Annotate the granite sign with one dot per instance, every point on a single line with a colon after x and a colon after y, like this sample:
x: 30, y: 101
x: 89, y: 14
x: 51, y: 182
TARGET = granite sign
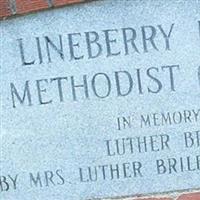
x: 101, y: 100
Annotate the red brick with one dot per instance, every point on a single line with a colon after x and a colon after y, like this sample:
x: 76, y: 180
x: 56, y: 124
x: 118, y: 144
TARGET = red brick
x: 5, y: 8
x: 65, y: 2
x: 25, y: 6
x: 193, y: 196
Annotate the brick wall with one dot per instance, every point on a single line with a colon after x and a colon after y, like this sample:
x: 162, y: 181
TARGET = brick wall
x: 172, y: 196
x: 16, y: 7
